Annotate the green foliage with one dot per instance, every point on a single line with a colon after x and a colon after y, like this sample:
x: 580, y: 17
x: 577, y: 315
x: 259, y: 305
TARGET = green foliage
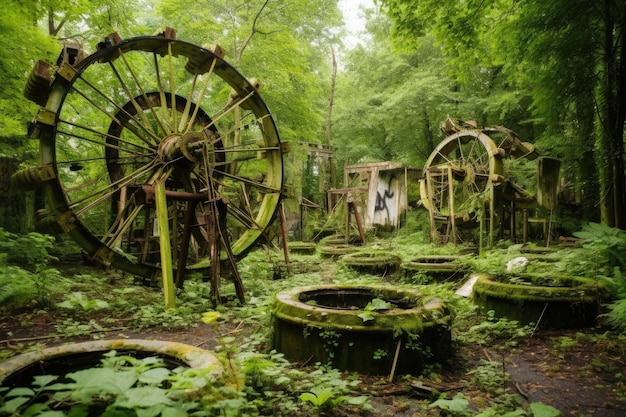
x: 23, y: 268
x: 506, y: 332
x: 152, y: 315
x: 490, y: 376
x: 72, y: 328
x: 609, y: 243
x: 457, y: 406
x: 28, y: 251
x: 79, y: 301
x: 376, y: 304
x: 120, y: 386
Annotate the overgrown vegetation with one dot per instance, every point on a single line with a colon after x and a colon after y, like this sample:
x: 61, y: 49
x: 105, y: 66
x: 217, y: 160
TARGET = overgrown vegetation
x: 88, y: 303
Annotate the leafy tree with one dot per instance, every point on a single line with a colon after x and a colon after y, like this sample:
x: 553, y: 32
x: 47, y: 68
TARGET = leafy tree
x: 32, y: 31
x: 389, y: 106
x: 287, y: 45
x: 570, y: 54
x: 21, y: 43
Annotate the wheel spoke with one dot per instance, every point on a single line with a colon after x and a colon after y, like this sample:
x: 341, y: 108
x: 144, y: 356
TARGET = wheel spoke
x: 103, y: 135
x: 113, y: 237
x: 172, y: 87
x: 191, y: 121
x: 135, y: 129
x: 163, y: 99
x: 107, y: 191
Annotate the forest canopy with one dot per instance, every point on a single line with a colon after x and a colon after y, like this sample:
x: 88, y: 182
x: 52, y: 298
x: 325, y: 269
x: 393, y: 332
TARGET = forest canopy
x: 552, y: 71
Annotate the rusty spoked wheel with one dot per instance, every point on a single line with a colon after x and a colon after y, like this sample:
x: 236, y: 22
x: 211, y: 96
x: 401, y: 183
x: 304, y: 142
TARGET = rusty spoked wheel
x: 464, y: 173
x: 154, y: 111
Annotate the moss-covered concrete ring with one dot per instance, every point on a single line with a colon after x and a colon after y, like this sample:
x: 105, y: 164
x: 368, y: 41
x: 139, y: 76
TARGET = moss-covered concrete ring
x: 438, y: 267
x: 305, y: 248
x: 552, y: 301
x: 332, y: 324
x: 335, y: 251
x: 375, y: 263
x: 88, y: 354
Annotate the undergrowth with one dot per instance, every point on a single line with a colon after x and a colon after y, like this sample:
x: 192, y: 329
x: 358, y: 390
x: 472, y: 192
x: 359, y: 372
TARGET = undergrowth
x: 257, y: 380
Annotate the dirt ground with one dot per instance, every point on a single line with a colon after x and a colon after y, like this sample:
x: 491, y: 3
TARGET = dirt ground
x: 579, y: 372
x: 579, y: 379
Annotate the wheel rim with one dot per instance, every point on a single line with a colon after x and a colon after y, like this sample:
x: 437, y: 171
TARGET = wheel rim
x: 475, y: 164
x: 156, y: 109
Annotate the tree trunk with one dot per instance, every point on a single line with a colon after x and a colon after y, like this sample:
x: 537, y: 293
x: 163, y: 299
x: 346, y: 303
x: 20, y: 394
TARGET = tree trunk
x: 586, y: 171
x: 614, y: 90
x: 329, y: 119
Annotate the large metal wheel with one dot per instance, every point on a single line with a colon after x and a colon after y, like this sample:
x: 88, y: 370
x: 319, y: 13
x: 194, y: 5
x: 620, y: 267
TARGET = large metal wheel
x: 460, y: 176
x: 148, y: 111
x: 465, y: 175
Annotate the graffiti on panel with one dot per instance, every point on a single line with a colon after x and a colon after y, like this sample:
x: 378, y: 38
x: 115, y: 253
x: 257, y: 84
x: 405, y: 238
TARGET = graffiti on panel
x: 386, y: 205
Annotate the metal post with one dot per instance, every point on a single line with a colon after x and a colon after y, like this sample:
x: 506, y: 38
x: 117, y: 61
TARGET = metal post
x: 165, y: 246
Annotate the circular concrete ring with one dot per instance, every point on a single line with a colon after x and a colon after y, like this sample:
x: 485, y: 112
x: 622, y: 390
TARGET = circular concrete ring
x: 438, y: 267
x: 303, y: 248
x: 552, y: 301
x: 375, y: 263
x: 326, y: 324
x: 89, y: 354
x: 335, y: 251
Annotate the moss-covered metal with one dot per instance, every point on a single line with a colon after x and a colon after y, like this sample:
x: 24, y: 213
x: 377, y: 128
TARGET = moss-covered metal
x: 332, y: 324
x: 552, y: 301
x: 154, y: 131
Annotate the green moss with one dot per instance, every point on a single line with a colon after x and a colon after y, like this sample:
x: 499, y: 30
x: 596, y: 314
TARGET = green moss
x: 302, y: 247
x: 331, y: 329
x: 410, y: 319
x: 338, y: 250
x: 536, y: 287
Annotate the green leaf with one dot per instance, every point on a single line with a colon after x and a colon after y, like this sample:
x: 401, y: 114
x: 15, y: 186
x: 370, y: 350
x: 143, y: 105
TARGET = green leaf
x: 152, y: 411
x: 543, y: 410
x: 457, y: 404
x: 51, y: 413
x: 101, y: 381
x: 20, y: 392
x: 173, y: 412
x: 34, y: 410
x: 79, y: 410
x: 360, y: 400
x: 154, y: 376
x: 13, y: 405
x: 282, y: 380
x: 142, y: 397
x: 366, y: 317
x: 308, y: 396
x: 378, y: 304
x: 43, y: 380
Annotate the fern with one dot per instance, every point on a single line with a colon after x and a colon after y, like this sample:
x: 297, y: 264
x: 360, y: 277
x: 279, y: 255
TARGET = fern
x: 616, y: 317
x: 7, y: 291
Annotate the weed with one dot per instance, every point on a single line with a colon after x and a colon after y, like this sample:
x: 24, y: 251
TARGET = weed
x: 493, y: 329
x: 490, y: 376
x: 79, y: 301
x: 120, y: 385
x: 72, y: 328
